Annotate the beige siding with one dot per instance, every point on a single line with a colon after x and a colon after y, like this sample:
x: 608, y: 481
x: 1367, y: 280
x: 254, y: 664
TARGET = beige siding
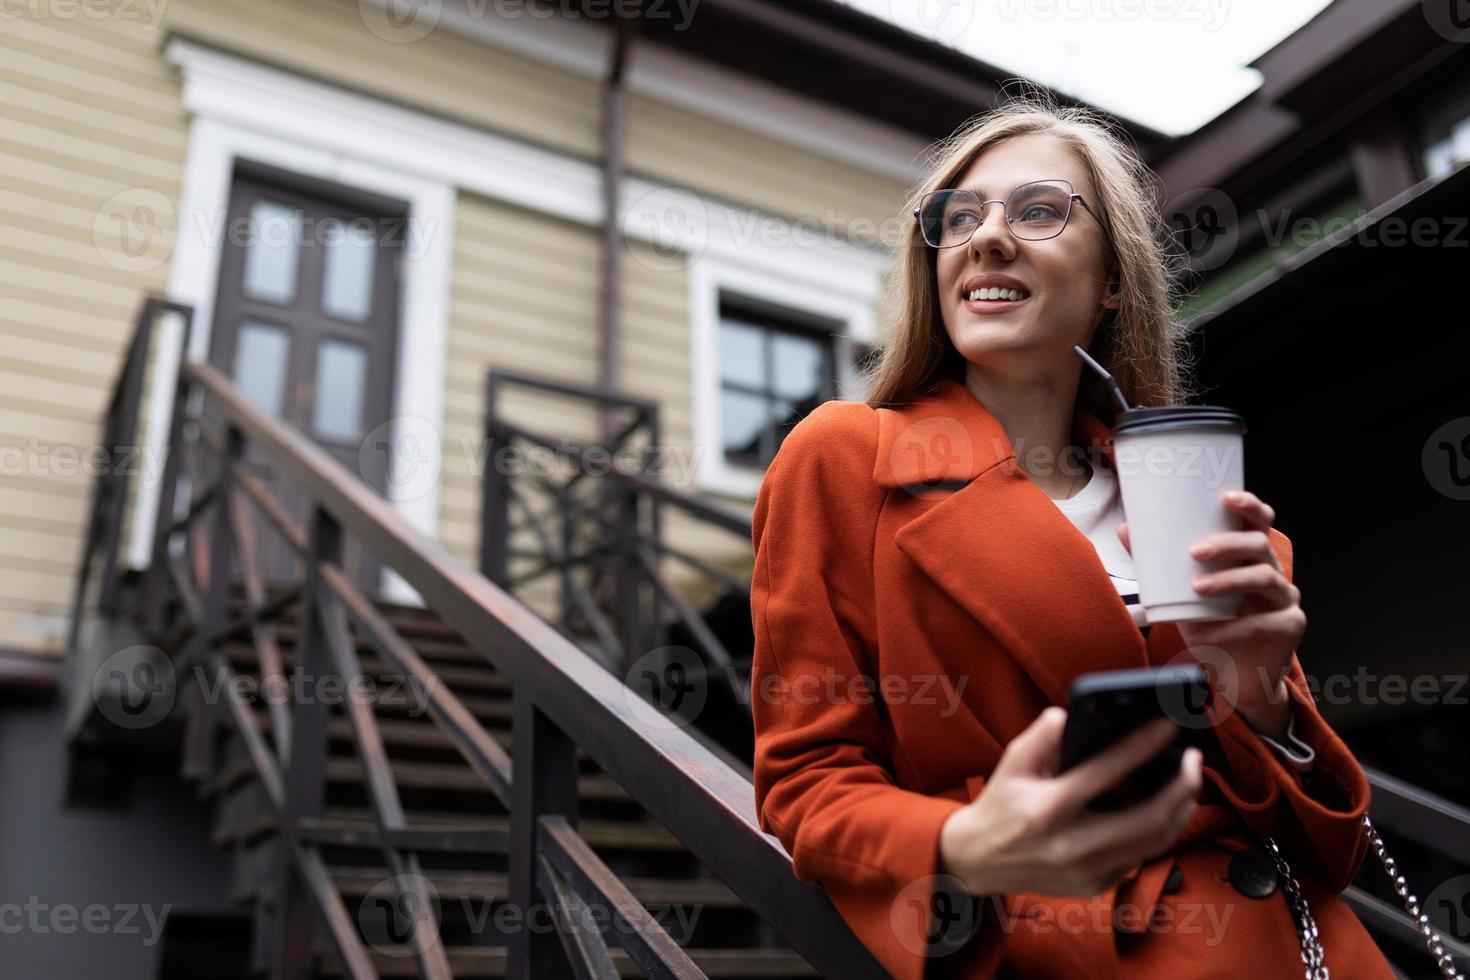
x: 728, y: 165
x: 88, y: 111
x: 445, y: 72
x: 91, y: 114
x: 524, y: 298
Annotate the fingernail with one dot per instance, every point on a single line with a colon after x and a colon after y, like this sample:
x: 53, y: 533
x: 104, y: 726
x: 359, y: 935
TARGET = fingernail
x: 1234, y: 496
x: 1201, y: 584
x: 1202, y: 550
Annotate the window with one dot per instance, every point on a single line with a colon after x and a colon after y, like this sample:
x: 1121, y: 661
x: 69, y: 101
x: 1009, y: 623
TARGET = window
x: 773, y: 371
x: 766, y: 350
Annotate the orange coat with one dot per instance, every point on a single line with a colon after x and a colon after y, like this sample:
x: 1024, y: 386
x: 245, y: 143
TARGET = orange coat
x: 973, y: 604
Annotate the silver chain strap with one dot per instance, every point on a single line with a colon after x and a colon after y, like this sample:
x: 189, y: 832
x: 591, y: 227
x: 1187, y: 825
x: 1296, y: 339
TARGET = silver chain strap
x: 1313, y: 956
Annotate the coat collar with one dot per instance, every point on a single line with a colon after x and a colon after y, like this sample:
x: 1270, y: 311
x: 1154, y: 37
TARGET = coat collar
x: 997, y: 545
x: 951, y: 436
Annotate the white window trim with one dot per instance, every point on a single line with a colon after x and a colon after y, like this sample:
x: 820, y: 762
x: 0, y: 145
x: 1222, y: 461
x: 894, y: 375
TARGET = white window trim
x: 243, y: 109
x: 710, y: 279
x: 217, y: 142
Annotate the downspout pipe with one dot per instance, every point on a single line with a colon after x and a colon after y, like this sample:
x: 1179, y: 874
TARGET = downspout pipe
x: 614, y: 111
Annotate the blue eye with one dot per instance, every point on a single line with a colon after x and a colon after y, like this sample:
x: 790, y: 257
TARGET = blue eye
x: 1040, y: 212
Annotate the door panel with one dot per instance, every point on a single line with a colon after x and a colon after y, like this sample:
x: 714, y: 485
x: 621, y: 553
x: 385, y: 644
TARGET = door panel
x: 306, y: 324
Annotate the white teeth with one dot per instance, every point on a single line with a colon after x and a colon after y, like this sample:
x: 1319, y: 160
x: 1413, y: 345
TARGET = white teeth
x: 995, y: 292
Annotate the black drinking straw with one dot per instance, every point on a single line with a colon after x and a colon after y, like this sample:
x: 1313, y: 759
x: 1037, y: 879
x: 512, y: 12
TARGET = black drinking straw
x: 1112, y: 382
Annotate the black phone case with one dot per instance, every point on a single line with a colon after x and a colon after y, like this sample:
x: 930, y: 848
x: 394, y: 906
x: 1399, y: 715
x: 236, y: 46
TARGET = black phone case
x: 1105, y: 706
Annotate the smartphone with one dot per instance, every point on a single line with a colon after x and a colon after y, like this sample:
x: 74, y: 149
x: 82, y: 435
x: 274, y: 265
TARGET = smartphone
x: 1106, y: 705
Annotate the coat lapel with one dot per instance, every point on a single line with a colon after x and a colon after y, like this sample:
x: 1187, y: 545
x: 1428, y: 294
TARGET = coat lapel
x: 996, y: 544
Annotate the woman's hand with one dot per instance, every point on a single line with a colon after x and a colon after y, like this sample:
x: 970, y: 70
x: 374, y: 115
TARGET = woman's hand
x: 1269, y: 628
x: 1029, y: 829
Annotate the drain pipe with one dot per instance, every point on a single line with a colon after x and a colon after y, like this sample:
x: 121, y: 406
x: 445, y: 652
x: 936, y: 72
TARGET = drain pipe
x: 614, y: 98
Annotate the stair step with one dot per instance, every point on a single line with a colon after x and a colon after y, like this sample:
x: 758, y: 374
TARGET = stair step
x: 420, y: 775
x: 602, y: 834
x: 357, y: 882
x: 465, y: 677
x: 491, y: 961
x: 410, y: 621
x: 432, y: 649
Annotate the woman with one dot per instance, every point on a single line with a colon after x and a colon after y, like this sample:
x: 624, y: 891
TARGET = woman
x: 935, y: 565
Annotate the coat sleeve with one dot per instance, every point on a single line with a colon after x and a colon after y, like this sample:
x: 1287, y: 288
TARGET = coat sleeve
x: 1316, y: 816
x: 824, y: 781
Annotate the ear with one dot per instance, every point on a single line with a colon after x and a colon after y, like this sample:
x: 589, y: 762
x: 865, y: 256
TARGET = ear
x: 1114, y: 298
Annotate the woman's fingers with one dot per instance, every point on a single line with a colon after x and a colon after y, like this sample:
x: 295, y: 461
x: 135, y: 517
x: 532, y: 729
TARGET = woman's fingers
x: 1261, y: 580
x: 1241, y: 546
x: 1035, y: 751
x: 1134, y: 834
x: 1257, y: 514
x: 1080, y: 784
x: 1287, y: 621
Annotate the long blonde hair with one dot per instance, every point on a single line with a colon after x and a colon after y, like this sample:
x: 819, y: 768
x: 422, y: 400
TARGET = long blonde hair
x: 1137, y: 344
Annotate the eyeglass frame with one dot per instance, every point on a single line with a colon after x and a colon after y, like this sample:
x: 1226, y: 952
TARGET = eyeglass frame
x: 1006, y: 212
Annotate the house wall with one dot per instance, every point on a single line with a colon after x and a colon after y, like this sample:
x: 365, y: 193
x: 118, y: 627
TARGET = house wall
x: 92, y: 127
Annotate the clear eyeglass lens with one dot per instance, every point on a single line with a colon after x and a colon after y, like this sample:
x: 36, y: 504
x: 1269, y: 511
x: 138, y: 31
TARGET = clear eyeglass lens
x: 1036, y: 211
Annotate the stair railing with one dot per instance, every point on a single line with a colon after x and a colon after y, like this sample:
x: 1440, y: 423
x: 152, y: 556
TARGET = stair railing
x: 604, y: 524
x: 564, y: 700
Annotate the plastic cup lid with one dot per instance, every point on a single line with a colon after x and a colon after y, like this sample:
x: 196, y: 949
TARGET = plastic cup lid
x: 1177, y: 416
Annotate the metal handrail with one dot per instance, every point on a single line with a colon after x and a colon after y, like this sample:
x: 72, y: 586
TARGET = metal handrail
x: 708, y: 805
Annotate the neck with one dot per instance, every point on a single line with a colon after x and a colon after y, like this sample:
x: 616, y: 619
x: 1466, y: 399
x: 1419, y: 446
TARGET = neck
x: 1035, y: 410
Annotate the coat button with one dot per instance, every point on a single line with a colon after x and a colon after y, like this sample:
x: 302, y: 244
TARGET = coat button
x: 1175, y: 881
x: 1253, y: 873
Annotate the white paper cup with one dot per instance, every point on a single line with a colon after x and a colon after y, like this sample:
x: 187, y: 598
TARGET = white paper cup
x: 1174, y: 466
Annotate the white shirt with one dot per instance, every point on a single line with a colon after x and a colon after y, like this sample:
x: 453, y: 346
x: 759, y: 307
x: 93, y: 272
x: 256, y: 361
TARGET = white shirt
x: 1096, y: 510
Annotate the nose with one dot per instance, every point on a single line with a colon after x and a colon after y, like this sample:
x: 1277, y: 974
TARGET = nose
x: 992, y: 236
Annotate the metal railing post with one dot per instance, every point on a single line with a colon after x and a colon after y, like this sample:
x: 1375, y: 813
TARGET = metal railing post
x: 544, y: 782
x: 296, y: 916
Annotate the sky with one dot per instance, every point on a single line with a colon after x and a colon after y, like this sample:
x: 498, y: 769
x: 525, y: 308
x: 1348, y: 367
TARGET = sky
x: 1170, y: 64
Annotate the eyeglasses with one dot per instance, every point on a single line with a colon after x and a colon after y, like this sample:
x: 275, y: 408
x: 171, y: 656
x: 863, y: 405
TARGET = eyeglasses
x: 1034, y: 212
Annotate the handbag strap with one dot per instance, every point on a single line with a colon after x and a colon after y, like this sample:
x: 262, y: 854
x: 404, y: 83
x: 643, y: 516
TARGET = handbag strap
x: 1312, y: 954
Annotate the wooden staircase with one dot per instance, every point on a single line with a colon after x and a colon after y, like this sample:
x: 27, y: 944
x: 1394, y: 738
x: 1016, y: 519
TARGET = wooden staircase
x: 463, y: 789
x: 455, y: 822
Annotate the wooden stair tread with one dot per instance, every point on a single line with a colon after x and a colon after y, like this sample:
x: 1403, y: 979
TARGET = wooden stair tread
x: 630, y: 834
x: 356, y: 882
x: 478, y: 677
x: 454, y: 777
x: 491, y: 961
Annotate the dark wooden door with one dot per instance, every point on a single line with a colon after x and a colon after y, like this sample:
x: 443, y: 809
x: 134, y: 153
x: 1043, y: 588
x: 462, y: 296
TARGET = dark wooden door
x: 306, y: 324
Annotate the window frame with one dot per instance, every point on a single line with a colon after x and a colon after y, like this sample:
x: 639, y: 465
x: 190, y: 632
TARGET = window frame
x: 810, y: 295
x: 771, y: 322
